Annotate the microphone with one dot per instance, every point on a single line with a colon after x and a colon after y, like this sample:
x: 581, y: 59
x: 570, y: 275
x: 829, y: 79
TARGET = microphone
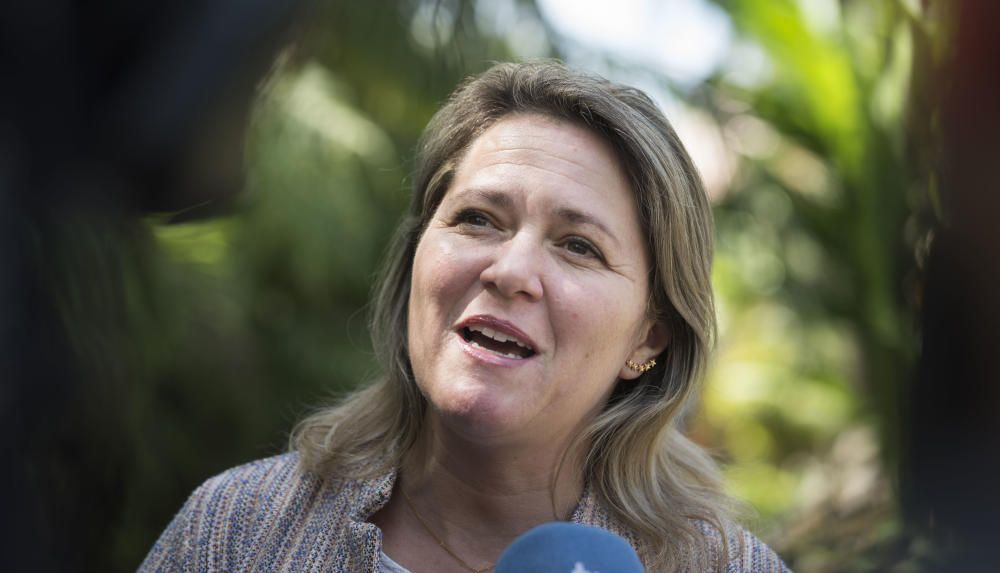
x: 562, y: 547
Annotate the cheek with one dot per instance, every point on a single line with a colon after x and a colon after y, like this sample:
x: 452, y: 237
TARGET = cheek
x: 587, y: 308
x: 444, y: 276
x: 419, y: 310
x: 439, y: 273
x: 600, y: 318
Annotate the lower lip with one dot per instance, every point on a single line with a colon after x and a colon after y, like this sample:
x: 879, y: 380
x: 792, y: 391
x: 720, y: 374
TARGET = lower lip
x: 489, y: 357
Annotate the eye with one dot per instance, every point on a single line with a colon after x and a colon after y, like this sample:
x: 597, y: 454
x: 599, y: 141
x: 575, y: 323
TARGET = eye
x: 581, y: 247
x: 473, y: 218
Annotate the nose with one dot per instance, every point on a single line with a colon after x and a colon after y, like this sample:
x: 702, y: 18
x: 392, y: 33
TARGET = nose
x: 515, y: 268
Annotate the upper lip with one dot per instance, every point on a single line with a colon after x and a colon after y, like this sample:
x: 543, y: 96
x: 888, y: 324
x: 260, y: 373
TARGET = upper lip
x: 499, y: 325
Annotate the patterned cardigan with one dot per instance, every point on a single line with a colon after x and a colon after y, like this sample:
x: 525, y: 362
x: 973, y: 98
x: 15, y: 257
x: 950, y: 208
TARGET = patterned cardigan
x: 271, y: 516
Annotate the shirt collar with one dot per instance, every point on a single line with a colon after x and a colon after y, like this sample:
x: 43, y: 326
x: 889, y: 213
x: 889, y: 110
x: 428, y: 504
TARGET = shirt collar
x: 368, y: 496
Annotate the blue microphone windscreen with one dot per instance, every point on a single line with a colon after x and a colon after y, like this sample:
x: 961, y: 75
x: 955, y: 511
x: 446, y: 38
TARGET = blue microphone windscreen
x: 569, y: 548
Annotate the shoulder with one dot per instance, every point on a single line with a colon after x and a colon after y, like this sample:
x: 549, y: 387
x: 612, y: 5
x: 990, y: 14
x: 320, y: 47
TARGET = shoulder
x: 274, y: 515
x: 258, y: 488
x: 258, y: 478
x: 734, y: 550
x: 228, y: 512
x: 740, y: 551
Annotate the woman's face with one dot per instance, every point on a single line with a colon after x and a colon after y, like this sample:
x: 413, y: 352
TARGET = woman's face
x: 530, y: 285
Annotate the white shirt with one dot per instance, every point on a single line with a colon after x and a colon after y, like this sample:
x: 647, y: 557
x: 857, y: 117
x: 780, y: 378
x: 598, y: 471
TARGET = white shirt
x: 387, y: 565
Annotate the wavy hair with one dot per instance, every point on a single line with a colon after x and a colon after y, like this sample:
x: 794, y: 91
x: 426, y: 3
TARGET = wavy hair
x: 638, y: 462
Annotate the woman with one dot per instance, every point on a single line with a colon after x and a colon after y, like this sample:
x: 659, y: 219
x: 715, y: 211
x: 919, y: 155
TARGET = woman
x: 543, y: 319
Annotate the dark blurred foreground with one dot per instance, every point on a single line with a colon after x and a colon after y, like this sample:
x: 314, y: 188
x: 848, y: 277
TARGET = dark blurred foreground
x: 122, y: 125
x: 109, y: 112
x: 952, y: 450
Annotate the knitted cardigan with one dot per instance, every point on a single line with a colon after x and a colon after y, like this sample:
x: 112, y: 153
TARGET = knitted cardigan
x: 270, y: 516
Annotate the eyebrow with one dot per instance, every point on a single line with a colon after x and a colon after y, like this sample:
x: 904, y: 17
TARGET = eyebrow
x: 568, y: 214
x: 493, y: 197
x: 580, y: 218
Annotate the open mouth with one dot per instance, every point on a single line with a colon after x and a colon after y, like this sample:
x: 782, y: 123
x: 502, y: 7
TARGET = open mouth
x: 497, y: 342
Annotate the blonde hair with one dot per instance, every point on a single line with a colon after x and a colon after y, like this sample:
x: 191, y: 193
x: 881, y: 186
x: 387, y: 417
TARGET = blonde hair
x: 640, y: 465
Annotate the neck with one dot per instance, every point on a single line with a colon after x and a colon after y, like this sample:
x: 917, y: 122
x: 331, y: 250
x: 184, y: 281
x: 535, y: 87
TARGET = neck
x: 497, y: 490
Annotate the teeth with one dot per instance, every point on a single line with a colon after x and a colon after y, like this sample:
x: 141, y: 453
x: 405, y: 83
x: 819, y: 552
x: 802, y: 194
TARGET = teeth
x: 507, y: 354
x: 498, y: 336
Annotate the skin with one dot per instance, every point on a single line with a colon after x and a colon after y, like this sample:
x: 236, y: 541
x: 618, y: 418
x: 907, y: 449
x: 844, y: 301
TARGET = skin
x: 539, y: 229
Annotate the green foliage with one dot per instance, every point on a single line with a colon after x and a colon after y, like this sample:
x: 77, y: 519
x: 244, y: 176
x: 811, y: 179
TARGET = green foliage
x: 817, y: 272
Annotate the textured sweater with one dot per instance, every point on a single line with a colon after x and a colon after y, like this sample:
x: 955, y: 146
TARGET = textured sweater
x: 270, y: 516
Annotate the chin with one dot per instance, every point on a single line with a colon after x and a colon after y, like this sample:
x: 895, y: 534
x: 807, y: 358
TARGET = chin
x: 480, y: 416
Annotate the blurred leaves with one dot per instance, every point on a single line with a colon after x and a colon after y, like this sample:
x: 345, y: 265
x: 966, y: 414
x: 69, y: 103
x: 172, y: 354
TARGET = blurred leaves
x: 818, y: 272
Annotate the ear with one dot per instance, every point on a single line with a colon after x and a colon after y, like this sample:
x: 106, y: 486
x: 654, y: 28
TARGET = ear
x: 655, y: 341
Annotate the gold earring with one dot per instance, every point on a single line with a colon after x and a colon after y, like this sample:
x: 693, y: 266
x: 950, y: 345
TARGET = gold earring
x: 640, y: 368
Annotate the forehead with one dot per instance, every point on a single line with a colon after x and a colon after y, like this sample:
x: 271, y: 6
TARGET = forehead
x: 527, y: 138
x: 532, y: 152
